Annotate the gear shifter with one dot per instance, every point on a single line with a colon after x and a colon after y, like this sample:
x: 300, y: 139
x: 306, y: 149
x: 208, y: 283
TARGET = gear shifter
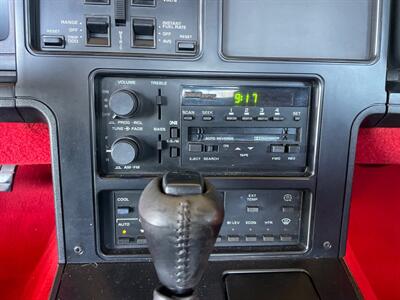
x: 181, y: 215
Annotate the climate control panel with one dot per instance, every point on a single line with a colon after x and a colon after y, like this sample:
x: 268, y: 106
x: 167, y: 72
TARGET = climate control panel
x: 149, y: 125
x: 261, y: 220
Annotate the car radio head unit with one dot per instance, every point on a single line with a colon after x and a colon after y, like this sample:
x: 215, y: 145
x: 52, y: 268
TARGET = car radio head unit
x: 218, y: 126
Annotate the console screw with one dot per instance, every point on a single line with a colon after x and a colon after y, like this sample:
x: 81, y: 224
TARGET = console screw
x: 78, y: 250
x: 327, y: 245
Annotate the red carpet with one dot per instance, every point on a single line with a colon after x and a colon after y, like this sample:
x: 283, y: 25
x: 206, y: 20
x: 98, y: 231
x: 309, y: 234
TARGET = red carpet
x: 28, y: 252
x: 378, y: 146
x: 374, y: 231
x: 24, y: 144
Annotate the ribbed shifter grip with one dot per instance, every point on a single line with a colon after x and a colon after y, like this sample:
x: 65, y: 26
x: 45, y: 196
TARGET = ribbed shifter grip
x: 181, y: 233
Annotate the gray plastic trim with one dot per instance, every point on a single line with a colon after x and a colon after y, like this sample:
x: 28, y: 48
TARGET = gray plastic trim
x: 23, y: 104
x: 376, y: 25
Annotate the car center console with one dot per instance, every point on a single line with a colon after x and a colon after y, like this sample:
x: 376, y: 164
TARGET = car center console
x: 262, y: 99
x: 221, y: 127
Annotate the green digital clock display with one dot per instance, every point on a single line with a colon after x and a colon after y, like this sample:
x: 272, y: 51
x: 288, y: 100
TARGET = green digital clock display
x: 250, y: 96
x: 246, y: 98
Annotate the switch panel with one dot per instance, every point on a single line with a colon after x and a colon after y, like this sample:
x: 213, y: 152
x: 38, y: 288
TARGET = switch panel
x: 254, y: 215
x: 261, y: 220
x: 127, y: 225
x: 119, y: 27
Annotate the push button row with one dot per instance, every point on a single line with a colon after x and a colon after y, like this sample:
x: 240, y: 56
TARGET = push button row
x: 251, y: 118
x: 279, y: 148
x: 257, y: 238
x: 124, y: 240
x: 194, y: 147
x: 242, y: 118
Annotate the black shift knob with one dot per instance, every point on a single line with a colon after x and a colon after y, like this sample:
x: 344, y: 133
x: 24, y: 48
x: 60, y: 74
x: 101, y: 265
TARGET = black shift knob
x: 181, y: 215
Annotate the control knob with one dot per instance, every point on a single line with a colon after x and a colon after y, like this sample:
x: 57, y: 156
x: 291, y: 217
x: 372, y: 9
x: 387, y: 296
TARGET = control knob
x: 124, y: 151
x: 124, y: 103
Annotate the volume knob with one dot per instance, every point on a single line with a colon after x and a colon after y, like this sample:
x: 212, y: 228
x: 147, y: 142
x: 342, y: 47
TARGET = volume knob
x: 124, y: 103
x: 124, y: 151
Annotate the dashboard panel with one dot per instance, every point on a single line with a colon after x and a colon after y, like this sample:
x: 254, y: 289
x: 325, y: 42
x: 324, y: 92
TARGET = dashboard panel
x: 267, y: 113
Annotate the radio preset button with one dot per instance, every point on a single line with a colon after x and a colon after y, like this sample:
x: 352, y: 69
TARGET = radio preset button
x: 208, y: 118
x: 246, y: 118
x: 277, y: 118
x: 278, y: 148
x: 231, y: 118
x: 188, y: 117
x: 262, y: 118
x: 195, y: 147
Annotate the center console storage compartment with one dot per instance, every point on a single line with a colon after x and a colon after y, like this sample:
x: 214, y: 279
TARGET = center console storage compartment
x: 271, y: 284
